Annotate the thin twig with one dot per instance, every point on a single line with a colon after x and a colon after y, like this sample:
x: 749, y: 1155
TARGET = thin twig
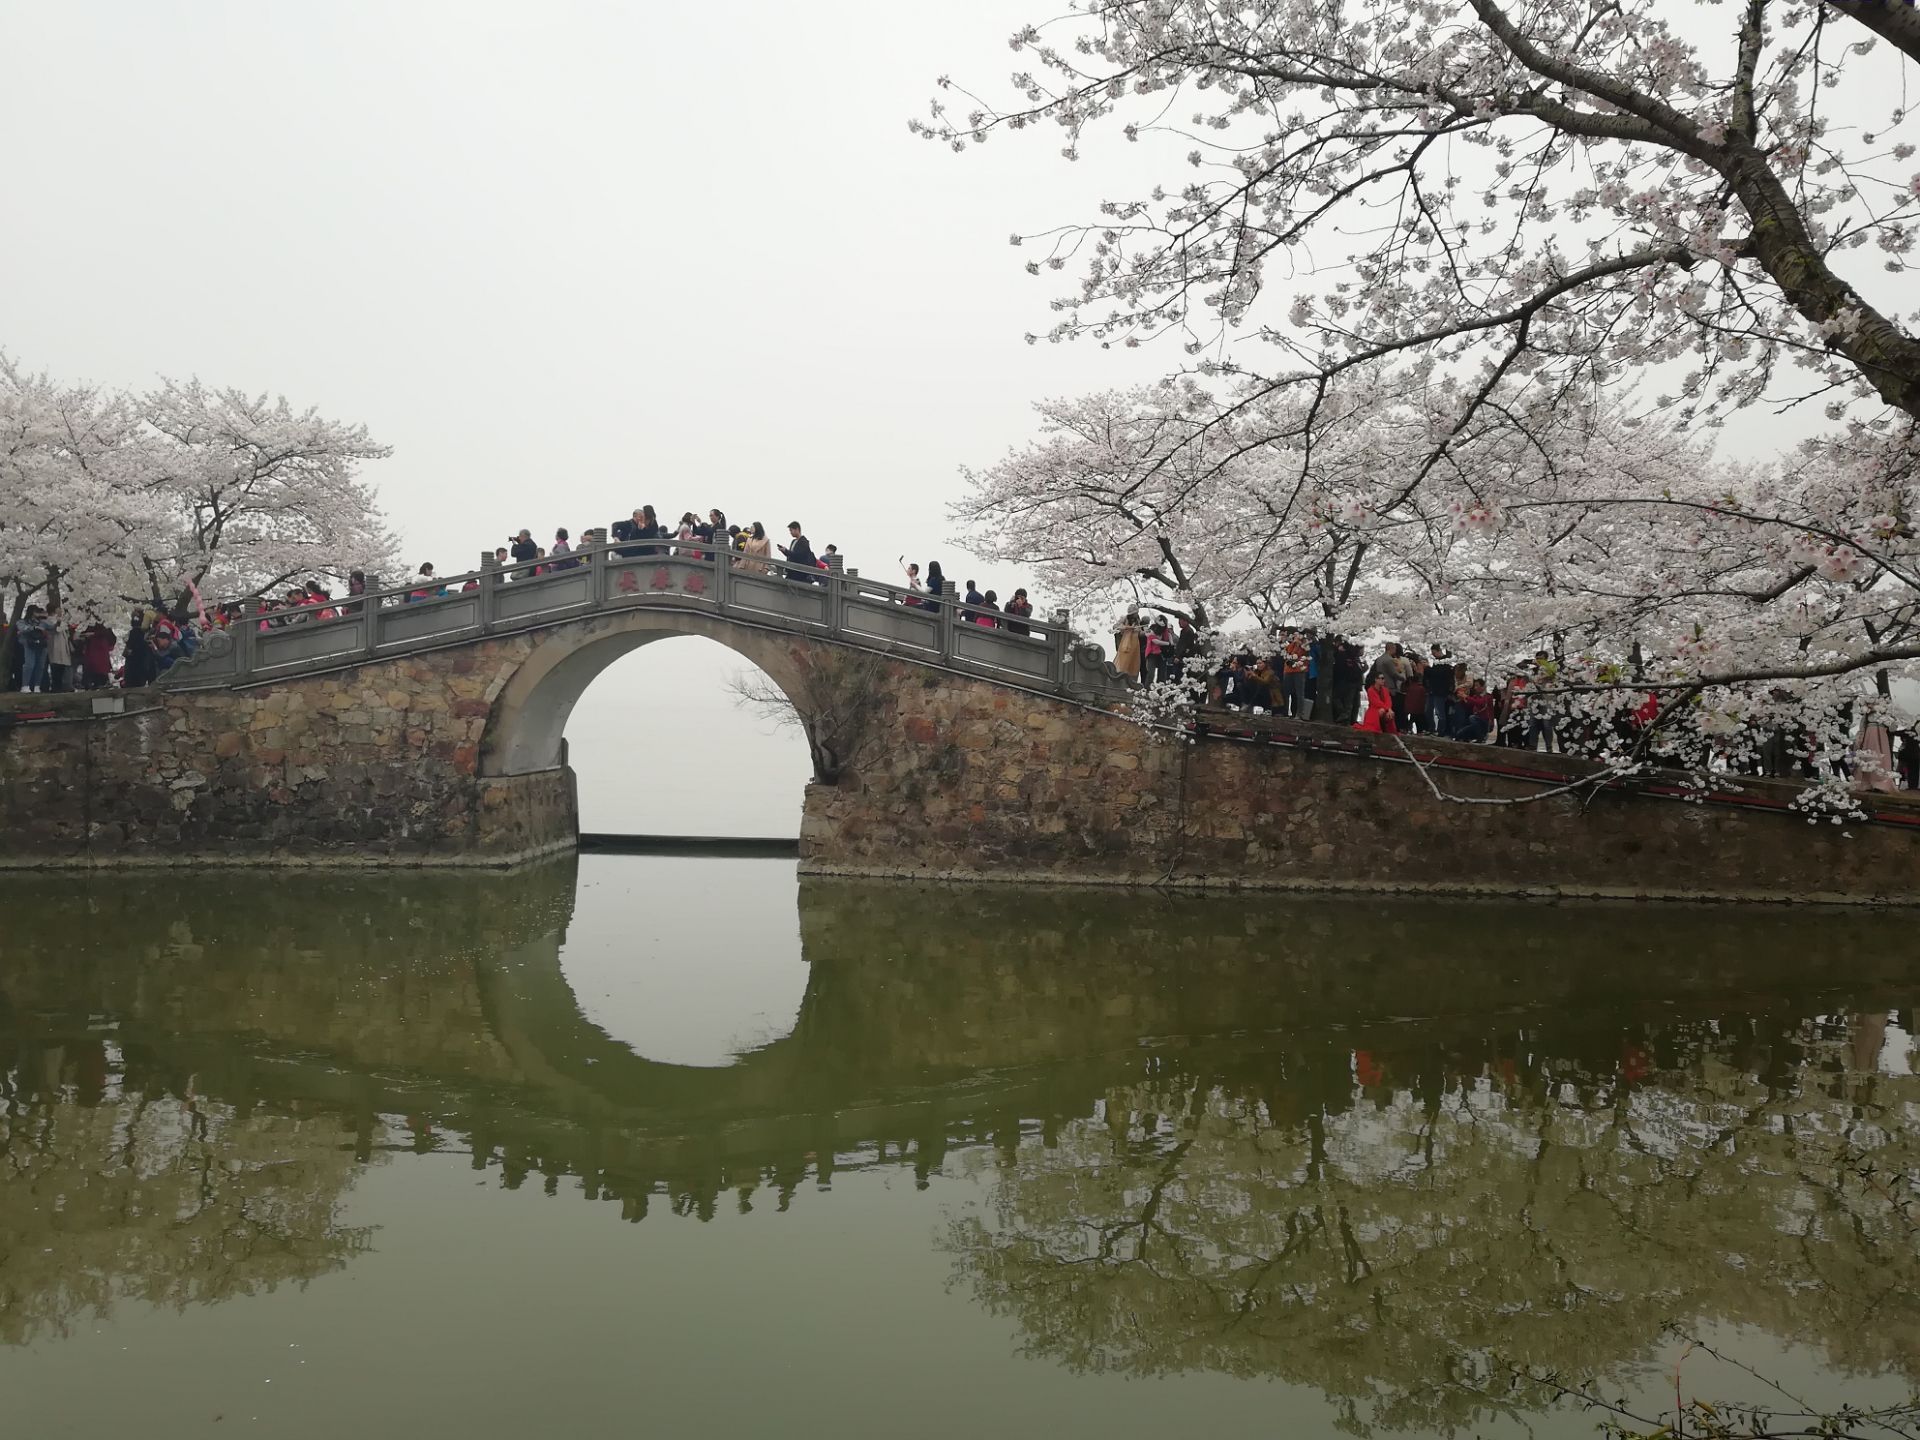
x: 1596, y: 781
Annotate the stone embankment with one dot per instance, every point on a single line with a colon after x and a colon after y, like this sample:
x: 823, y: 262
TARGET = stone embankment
x: 374, y: 764
x: 971, y: 783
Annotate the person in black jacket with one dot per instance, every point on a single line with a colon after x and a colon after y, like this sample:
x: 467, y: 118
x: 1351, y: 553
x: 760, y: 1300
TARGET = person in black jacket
x: 140, y: 667
x: 1440, y: 687
x: 1349, y: 679
x: 651, y: 529
x: 1186, y: 644
x: 1018, y: 609
x: 524, y: 550
x: 628, y: 530
x: 801, y: 562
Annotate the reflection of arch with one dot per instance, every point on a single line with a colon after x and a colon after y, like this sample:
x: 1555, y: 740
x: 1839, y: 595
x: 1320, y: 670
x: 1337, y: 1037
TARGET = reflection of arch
x: 532, y: 1011
x: 530, y: 714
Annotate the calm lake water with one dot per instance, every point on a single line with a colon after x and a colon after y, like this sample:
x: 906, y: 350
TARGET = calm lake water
x: 694, y: 1148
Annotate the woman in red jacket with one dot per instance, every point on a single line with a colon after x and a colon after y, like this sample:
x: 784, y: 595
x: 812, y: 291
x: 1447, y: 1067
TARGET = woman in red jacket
x: 1379, y: 716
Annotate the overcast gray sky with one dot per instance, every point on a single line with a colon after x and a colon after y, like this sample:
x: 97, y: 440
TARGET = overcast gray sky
x: 565, y: 258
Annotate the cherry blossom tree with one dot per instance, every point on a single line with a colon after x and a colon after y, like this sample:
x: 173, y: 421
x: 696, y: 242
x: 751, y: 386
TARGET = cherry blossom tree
x: 1567, y: 188
x: 265, y: 494
x: 117, y: 497
x: 1458, y: 287
x: 1752, y: 598
x: 1173, y: 500
x: 79, y: 506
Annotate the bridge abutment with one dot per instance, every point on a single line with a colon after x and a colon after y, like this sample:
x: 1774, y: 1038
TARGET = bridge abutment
x: 979, y: 782
x: 378, y: 764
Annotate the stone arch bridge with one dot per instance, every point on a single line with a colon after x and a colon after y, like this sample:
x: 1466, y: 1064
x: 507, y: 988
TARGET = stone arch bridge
x: 611, y: 600
x: 427, y: 729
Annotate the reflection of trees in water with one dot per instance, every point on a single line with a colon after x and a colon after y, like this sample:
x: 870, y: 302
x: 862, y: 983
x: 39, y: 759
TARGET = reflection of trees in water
x: 1339, y: 1160
x: 1406, y: 1241
x: 122, y: 1185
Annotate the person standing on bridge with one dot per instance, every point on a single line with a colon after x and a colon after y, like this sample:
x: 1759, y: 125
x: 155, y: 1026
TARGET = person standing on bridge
x: 96, y: 655
x: 1018, y: 609
x: 1349, y: 679
x: 936, y: 585
x: 1291, y: 698
x: 651, y: 529
x: 1127, y: 647
x: 800, y: 557
x: 137, y: 667
x: 31, y: 638
x: 759, y: 549
x: 59, y: 651
x: 1443, y: 687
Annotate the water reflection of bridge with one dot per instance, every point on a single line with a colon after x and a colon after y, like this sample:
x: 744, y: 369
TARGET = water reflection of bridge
x: 929, y: 1015
x: 1441, y: 1121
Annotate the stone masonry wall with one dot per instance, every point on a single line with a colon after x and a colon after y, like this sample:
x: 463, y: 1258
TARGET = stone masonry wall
x: 375, y: 764
x: 969, y: 781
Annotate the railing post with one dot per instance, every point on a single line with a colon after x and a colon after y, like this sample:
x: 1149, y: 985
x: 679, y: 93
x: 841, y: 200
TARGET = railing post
x: 489, y: 589
x: 1061, y: 634
x: 835, y: 593
x: 593, y: 555
x: 370, y: 615
x: 948, y: 619
x: 245, y: 631
x: 723, y: 553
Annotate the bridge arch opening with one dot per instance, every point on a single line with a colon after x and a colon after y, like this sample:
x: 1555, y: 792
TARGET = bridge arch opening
x: 643, y: 708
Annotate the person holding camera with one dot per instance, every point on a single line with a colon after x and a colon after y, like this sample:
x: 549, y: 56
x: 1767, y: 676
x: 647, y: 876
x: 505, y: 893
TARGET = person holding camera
x: 525, y: 552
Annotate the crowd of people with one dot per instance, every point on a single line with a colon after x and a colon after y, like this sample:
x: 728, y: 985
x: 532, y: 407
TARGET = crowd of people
x: 1307, y: 675
x: 1303, y: 674
x: 643, y: 535
x: 51, y: 654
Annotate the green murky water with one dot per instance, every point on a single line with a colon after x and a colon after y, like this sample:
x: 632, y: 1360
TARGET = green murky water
x: 692, y: 1148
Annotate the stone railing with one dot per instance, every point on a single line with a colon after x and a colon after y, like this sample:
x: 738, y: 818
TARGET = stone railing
x: 607, y: 579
